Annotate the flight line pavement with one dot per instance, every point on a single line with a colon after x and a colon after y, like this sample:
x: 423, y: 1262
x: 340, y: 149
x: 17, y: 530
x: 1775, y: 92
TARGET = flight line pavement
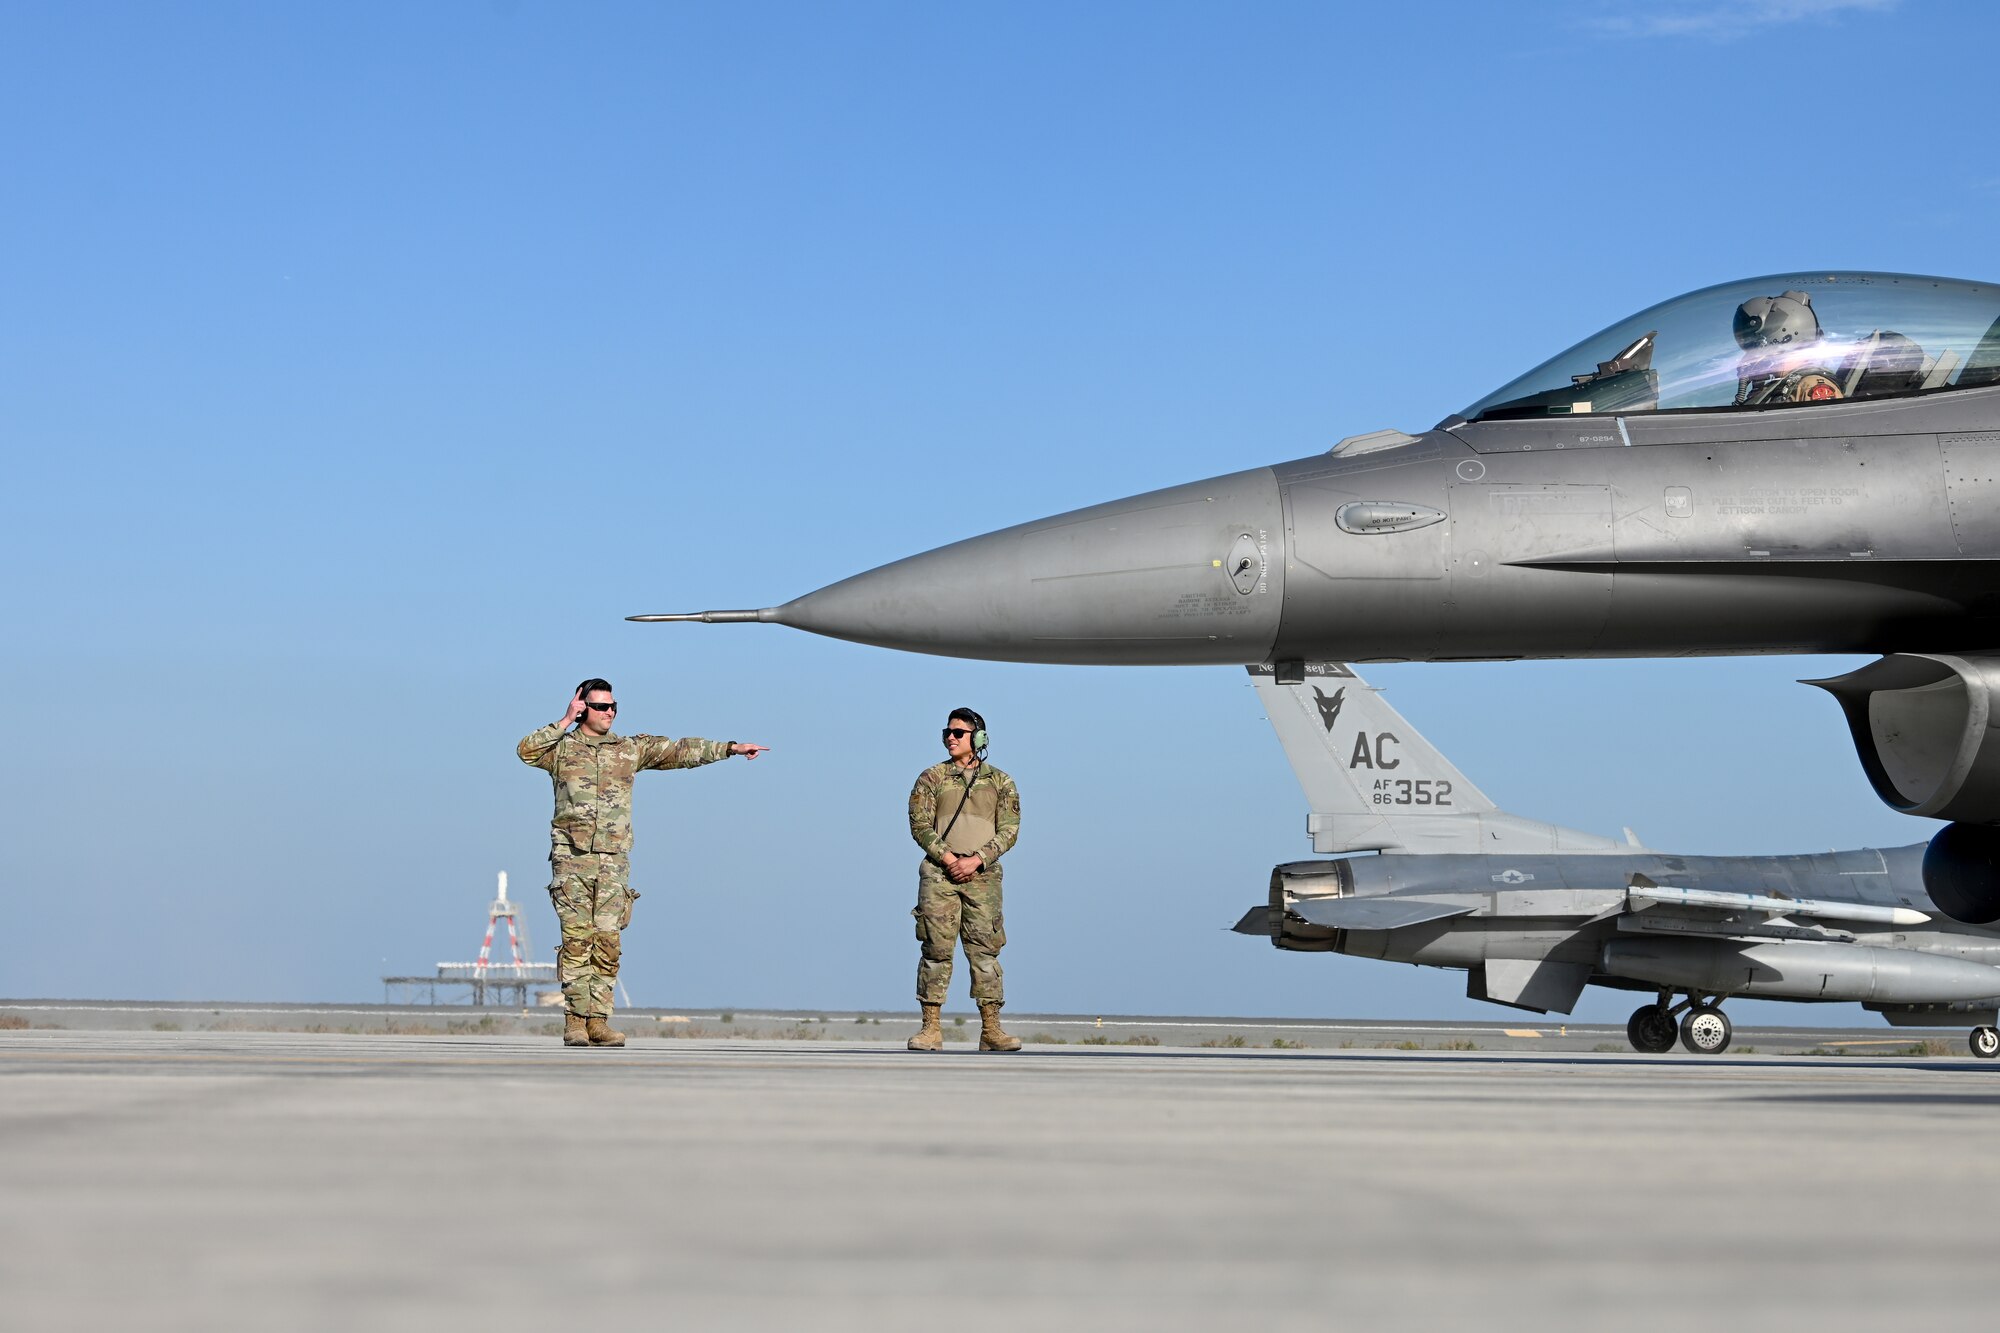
x: 1523, y: 1033
x: 252, y: 1180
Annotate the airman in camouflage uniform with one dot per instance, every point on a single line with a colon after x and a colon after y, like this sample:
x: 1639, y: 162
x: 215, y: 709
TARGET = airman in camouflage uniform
x: 965, y: 814
x: 591, y: 842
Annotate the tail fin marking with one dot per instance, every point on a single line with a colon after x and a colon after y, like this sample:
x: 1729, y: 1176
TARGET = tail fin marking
x: 1374, y: 783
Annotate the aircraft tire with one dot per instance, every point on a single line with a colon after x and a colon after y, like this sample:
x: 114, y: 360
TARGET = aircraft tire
x: 1985, y: 1042
x: 1650, y: 1030
x: 1706, y: 1030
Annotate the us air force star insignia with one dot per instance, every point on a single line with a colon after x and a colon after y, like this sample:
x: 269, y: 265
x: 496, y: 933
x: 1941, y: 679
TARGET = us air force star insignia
x: 1512, y: 877
x: 1329, y: 709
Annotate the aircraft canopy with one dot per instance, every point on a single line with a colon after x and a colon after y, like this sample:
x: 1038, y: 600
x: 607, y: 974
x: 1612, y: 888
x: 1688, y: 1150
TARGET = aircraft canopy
x: 1782, y: 341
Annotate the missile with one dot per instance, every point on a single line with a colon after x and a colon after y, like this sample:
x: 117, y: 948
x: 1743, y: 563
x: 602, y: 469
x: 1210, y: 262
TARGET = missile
x: 1650, y: 894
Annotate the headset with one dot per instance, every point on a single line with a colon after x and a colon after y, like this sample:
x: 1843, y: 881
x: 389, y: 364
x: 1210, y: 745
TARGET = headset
x: 980, y: 740
x: 594, y: 683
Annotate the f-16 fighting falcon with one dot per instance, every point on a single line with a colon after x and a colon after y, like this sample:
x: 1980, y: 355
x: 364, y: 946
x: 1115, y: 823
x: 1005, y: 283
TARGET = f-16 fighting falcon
x: 1534, y: 913
x: 1803, y: 463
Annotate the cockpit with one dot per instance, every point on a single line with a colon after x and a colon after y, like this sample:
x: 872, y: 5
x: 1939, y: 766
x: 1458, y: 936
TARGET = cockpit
x: 1782, y: 341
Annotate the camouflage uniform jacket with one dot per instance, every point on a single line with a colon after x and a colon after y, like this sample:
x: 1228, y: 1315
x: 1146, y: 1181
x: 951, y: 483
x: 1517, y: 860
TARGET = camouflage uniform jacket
x: 990, y: 824
x: 593, y: 779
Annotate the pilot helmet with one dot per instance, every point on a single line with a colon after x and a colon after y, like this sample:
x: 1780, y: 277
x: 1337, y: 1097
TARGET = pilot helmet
x: 1772, y: 321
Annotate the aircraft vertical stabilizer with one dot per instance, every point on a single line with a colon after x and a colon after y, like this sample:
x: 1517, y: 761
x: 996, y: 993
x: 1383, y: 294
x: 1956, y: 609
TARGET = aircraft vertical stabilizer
x: 1375, y: 784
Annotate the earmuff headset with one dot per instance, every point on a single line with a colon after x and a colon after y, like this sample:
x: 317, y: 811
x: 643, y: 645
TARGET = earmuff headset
x: 980, y: 740
x: 585, y: 687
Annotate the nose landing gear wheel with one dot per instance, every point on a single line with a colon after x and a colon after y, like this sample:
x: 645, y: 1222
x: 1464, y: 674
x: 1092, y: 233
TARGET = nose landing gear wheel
x: 1985, y: 1042
x: 1706, y: 1030
x: 1651, y: 1029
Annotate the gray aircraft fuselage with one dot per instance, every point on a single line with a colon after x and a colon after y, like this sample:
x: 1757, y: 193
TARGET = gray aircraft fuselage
x: 1849, y: 527
x: 1740, y: 470
x: 1570, y: 909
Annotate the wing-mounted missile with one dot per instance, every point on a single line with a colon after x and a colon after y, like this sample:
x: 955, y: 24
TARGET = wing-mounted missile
x: 1644, y: 895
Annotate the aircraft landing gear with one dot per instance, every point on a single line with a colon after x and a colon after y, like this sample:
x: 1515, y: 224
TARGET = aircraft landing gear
x: 1705, y: 1030
x: 1651, y: 1029
x: 1985, y: 1042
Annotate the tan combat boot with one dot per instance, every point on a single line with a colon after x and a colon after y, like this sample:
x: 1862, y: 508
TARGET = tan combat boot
x: 574, y: 1033
x: 601, y: 1033
x: 931, y: 1038
x: 991, y: 1038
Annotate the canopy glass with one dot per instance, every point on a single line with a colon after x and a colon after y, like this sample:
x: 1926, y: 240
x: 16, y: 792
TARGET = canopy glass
x: 1781, y: 341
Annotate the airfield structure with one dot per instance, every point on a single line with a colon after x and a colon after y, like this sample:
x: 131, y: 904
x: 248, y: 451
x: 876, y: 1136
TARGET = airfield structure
x: 482, y: 980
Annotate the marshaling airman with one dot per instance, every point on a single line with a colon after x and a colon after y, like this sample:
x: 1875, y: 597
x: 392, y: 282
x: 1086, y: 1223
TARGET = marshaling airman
x: 590, y: 842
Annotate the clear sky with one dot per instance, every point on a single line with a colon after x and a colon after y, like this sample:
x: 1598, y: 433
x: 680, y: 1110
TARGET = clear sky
x: 361, y: 366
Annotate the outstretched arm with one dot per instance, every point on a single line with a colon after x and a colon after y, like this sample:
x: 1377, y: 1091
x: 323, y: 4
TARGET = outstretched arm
x: 691, y: 751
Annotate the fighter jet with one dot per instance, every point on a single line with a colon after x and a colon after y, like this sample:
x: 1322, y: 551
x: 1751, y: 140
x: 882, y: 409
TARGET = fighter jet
x: 1429, y: 871
x: 1802, y: 463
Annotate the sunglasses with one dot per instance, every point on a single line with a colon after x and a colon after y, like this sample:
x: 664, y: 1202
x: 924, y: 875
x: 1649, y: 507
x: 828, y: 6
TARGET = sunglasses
x: 602, y: 708
x: 956, y: 733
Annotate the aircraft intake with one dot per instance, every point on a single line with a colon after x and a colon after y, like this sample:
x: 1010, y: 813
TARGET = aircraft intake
x: 1800, y: 969
x: 1925, y: 725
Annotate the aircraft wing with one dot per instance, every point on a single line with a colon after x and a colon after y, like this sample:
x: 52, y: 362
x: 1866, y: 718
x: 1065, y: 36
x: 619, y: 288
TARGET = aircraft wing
x: 1375, y: 913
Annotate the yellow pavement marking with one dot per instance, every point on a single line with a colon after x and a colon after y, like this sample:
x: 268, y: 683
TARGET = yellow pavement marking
x: 1519, y: 1032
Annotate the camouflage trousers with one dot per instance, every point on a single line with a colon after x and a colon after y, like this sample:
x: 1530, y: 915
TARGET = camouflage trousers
x: 593, y: 902
x: 949, y: 914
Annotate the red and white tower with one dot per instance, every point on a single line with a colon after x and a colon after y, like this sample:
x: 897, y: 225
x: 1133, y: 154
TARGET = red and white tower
x: 502, y: 910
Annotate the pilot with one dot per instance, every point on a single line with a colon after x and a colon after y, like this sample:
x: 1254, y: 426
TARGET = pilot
x: 965, y: 814
x: 591, y: 841
x: 1783, y: 357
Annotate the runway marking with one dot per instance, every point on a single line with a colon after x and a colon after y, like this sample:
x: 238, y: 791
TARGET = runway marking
x: 1519, y: 1032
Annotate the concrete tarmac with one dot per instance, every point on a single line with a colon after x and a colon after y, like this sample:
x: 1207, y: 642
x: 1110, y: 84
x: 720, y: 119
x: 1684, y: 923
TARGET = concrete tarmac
x: 246, y: 1180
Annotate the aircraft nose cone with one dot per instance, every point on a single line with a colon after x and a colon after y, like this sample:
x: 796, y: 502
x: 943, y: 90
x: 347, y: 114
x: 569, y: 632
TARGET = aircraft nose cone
x: 1188, y: 575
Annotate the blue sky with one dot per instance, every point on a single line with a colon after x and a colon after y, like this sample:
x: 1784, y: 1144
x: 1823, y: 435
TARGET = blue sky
x: 362, y: 366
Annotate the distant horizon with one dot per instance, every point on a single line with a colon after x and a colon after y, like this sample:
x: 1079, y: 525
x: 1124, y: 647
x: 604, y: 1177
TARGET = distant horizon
x: 1750, y: 1013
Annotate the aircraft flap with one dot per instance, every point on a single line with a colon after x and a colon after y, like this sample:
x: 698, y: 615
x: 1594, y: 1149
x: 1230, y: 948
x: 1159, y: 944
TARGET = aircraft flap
x: 1375, y: 913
